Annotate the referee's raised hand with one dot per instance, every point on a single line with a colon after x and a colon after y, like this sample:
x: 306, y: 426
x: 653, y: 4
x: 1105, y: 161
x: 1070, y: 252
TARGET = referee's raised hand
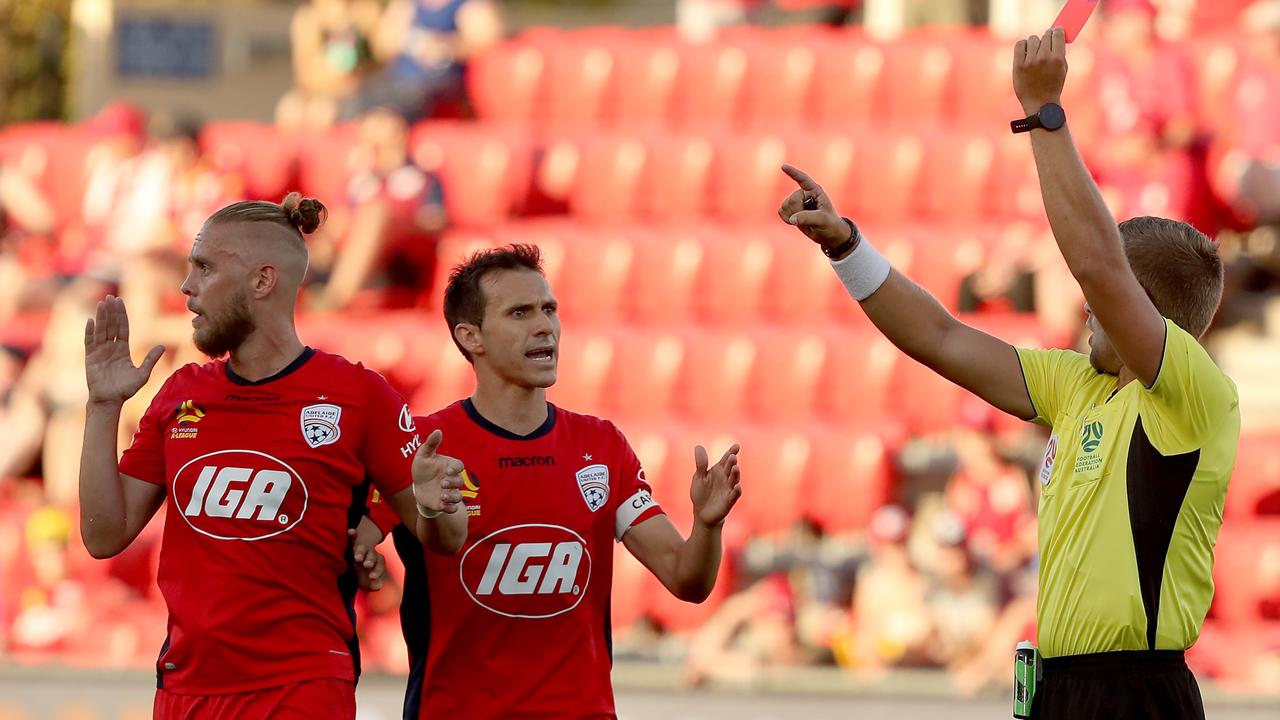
x: 1040, y: 69
x: 818, y: 220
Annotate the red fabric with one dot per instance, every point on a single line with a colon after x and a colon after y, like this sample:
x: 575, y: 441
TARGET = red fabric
x: 328, y: 698
x: 537, y: 636
x: 251, y: 575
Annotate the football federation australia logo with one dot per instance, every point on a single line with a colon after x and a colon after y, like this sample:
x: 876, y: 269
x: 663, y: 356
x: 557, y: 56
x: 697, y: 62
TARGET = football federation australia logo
x: 320, y: 424
x: 1091, y: 436
x: 593, y: 481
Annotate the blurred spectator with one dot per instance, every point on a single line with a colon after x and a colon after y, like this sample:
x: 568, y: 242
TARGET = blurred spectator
x: 891, y: 624
x: 25, y: 219
x: 752, y: 633
x: 425, y: 45
x: 991, y: 499
x: 962, y: 598
x: 387, y: 235
x: 331, y: 42
x: 1252, y: 162
x: 51, y: 605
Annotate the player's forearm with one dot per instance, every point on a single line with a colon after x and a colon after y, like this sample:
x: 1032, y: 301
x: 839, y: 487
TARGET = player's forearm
x: 1082, y: 225
x: 444, y: 534
x: 103, y: 517
x: 912, y: 319
x: 698, y: 563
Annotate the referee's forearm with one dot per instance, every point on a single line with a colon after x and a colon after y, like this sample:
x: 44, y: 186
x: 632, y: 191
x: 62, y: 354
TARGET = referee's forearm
x: 910, y: 318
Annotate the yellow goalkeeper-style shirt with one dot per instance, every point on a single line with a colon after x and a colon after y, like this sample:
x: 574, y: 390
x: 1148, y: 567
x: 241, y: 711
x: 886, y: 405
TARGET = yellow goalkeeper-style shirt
x: 1134, y: 483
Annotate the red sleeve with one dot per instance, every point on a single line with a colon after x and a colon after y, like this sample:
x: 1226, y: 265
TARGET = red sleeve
x: 635, y: 497
x: 382, y: 514
x: 391, y: 438
x: 144, y: 458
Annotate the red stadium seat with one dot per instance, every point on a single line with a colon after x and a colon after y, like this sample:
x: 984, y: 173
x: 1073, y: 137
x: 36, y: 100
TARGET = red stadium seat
x: 643, y: 85
x: 800, y: 287
x: 504, y: 82
x: 709, y: 86
x: 855, y: 376
x: 957, y: 182
x: 676, y: 177
x: 450, y: 377
x: 265, y: 159
x: 747, y: 180
x: 775, y: 462
x: 714, y: 378
x: 664, y: 275
x: 982, y: 93
x: 827, y: 157
x: 456, y: 246
x: 847, y: 479
x: 642, y: 379
x: 886, y: 177
x: 732, y: 283
x: 917, y: 80
x: 583, y: 373
x: 325, y: 173
x: 592, y: 277
x: 1255, y: 485
x: 577, y: 75
x: 925, y: 402
x: 1015, y: 184
x: 1247, y: 572
x: 626, y: 601
x: 778, y: 83
x: 847, y: 83
x: 606, y: 185
x: 485, y: 170
x: 786, y: 377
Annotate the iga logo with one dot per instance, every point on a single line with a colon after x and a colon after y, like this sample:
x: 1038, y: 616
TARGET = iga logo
x: 527, y: 571
x: 239, y: 495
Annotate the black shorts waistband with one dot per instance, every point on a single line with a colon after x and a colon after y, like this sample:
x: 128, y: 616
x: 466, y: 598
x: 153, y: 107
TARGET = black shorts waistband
x: 1118, y: 660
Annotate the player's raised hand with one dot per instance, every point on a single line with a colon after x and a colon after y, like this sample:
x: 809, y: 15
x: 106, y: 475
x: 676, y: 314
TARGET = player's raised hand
x: 715, y: 490
x: 108, y: 367
x: 810, y: 210
x: 1040, y: 69
x: 371, y: 567
x: 437, y: 479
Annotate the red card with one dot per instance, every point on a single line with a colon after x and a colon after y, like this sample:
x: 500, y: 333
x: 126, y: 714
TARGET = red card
x: 1074, y: 16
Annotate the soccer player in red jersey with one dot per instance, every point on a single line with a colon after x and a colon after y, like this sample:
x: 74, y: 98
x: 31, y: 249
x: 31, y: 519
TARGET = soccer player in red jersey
x: 263, y: 460
x: 517, y: 624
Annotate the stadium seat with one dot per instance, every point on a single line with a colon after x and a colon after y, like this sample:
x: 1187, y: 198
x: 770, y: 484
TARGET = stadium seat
x: 1255, y: 485
x: 714, y: 377
x: 847, y: 479
x: 454, y: 247
x: 916, y: 80
x: 266, y: 160
x: 800, y: 288
x: 577, y: 76
x: 746, y: 180
x: 642, y: 378
x: 828, y: 157
x: 1015, y: 184
x: 504, y: 82
x: 643, y: 83
x: 1247, y: 572
x: 664, y: 275
x: 583, y: 372
x: 855, y: 377
x: 676, y: 176
x: 924, y: 401
x: 606, y: 184
x: 709, y: 86
x: 449, y: 377
x: 626, y: 602
x: 786, y: 376
x: 956, y: 184
x: 775, y: 463
x: 847, y: 83
x: 732, y: 279
x: 982, y: 93
x: 592, y: 277
x: 1217, y: 76
x: 485, y: 169
x: 887, y: 176
x: 325, y: 172
x: 778, y: 83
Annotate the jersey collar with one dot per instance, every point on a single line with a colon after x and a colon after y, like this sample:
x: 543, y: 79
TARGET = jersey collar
x: 504, y: 433
x: 289, y: 369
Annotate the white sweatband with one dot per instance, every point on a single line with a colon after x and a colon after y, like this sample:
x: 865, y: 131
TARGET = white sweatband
x: 863, y: 271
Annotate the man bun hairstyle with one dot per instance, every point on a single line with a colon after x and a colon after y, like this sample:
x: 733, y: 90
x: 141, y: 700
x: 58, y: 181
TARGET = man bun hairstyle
x: 464, y: 299
x: 301, y: 215
x: 1178, y: 266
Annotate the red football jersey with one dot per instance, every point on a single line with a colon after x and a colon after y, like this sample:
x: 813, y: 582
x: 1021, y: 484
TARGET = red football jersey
x: 517, y: 623
x: 263, y: 479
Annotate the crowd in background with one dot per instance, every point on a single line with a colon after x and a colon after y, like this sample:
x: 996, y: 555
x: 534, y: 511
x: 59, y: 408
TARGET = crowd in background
x: 944, y: 577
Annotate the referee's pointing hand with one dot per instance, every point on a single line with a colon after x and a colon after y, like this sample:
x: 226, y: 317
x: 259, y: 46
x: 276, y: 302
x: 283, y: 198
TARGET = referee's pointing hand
x: 819, y: 221
x: 437, y: 479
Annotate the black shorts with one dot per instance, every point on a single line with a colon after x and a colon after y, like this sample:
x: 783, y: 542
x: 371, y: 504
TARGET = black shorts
x: 1128, y: 685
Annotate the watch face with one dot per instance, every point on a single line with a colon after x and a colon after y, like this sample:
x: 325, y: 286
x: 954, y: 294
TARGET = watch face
x: 1052, y: 116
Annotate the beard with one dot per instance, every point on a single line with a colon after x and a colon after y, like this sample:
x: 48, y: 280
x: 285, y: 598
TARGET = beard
x: 226, y: 331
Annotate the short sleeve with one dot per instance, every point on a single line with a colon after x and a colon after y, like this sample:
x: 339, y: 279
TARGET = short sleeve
x: 635, y: 497
x: 1052, y: 377
x: 382, y: 514
x: 1190, y: 397
x: 144, y: 458
x: 391, y: 437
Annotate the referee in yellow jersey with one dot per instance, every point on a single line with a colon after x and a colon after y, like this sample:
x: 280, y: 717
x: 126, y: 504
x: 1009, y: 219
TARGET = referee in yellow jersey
x: 1144, y: 428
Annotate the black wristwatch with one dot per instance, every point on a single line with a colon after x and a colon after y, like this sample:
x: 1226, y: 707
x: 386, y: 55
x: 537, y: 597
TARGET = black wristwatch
x: 1050, y: 117
x: 846, y: 246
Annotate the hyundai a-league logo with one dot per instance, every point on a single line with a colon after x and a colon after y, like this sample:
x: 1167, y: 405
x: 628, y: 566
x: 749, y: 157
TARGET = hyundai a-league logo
x: 320, y: 424
x: 593, y: 481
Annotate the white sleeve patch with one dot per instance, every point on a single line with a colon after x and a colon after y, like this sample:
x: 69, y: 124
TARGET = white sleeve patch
x: 631, y: 509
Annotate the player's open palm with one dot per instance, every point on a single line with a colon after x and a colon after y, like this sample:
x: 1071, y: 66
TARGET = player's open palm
x: 437, y: 479
x: 108, y: 367
x: 716, y: 489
